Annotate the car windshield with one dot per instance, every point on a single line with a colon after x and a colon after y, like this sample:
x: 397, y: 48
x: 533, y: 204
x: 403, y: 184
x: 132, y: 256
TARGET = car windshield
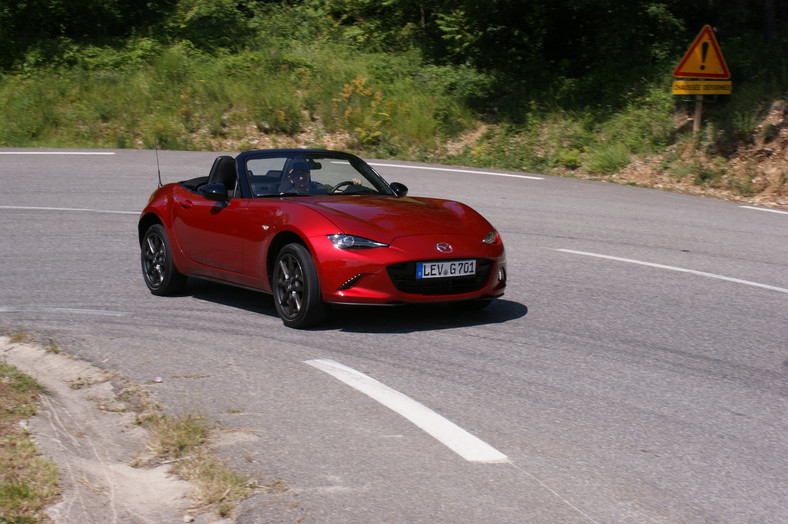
x: 312, y: 174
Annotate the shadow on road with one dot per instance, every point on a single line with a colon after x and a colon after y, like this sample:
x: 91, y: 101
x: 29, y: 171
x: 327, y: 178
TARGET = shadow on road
x: 367, y: 319
x: 423, y: 317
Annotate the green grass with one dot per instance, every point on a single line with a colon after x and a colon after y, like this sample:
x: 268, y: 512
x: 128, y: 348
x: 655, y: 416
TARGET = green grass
x: 182, y: 98
x: 606, y: 159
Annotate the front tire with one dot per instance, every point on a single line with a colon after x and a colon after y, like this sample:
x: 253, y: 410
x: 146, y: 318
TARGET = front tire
x: 296, y: 288
x: 158, y: 268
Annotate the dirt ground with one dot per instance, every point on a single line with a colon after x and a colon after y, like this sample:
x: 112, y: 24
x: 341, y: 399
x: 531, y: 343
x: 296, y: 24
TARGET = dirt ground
x: 92, y: 438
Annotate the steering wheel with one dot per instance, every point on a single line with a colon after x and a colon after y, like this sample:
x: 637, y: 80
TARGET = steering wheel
x: 347, y: 183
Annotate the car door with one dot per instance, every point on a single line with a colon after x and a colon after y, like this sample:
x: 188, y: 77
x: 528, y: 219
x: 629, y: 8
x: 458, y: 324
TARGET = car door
x: 210, y: 233
x: 265, y: 219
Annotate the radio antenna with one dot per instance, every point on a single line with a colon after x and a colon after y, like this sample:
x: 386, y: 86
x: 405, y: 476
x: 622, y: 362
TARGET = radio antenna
x: 158, y: 169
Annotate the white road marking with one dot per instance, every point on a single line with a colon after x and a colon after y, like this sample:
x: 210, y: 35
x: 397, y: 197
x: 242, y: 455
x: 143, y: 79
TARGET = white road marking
x: 680, y: 269
x: 55, y: 153
x: 451, y: 435
x: 765, y: 209
x: 35, y: 208
x: 458, y: 171
x: 102, y: 312
x: 460, y: 441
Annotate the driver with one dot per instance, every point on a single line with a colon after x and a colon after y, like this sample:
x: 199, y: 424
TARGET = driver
x: 299, y: 180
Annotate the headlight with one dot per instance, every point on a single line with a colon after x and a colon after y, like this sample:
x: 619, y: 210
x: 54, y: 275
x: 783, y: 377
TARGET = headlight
x: 491, y: 238
x: 354, y: 242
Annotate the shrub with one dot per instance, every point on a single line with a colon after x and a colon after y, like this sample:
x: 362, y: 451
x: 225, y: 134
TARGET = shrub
x: 606, y: 159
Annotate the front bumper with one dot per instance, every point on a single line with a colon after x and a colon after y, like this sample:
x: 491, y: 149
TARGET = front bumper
x: 387, y: 275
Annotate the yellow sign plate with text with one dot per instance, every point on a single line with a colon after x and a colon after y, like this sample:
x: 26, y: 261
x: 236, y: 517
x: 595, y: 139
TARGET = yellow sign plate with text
x: 689, y: 87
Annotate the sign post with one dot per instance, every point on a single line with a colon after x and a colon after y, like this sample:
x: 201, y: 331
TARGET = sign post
x: 705, y: 65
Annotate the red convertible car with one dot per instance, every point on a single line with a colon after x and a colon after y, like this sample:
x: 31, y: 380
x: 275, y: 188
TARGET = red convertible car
x: 315, y: 228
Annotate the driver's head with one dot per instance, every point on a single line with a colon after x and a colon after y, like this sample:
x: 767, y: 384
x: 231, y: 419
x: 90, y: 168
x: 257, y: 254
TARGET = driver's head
x: 300, y: 178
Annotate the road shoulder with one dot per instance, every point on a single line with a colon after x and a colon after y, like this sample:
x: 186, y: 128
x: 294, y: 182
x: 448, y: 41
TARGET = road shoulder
x: 94, y: 440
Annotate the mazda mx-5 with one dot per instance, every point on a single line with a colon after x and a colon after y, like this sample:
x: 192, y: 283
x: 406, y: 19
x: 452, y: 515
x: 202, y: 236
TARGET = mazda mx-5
x: 315, y: 228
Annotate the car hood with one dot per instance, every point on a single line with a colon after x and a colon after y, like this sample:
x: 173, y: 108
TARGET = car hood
x: 387, y: 218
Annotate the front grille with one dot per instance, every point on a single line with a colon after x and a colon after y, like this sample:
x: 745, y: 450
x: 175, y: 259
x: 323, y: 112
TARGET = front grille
x: 403, y: 276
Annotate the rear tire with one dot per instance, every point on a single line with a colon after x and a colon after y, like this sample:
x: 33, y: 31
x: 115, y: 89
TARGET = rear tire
x: 296, y: 288
x: 158, y: 268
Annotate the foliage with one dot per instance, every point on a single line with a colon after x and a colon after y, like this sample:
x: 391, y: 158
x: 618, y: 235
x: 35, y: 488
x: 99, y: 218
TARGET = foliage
x: 46, y: 26
x: 210, y: 24
x: 530, y: 43
x: 560, y: 85
x: 181, y: 97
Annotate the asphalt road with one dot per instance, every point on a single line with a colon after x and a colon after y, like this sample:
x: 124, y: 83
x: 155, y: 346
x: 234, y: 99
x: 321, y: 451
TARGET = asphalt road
x: 635, y: 371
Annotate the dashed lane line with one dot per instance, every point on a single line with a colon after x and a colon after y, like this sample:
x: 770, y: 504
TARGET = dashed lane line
x: 95, y: 153
x: 39, y: 208
x: 81, y: 311
x: 454, y: 170
x: 680, y: 269
x: 468, y: 446
x: 765, y: 209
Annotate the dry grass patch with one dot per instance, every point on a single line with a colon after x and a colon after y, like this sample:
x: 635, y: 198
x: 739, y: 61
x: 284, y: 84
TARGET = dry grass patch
x: 184, y: 441
x: 28, y: 482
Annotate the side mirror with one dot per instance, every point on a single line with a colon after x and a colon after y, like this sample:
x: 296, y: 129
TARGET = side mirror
x: 399, y: 189
x: 215, y: 192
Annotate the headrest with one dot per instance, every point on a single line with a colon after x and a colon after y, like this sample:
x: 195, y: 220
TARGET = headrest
x: 306, y: 165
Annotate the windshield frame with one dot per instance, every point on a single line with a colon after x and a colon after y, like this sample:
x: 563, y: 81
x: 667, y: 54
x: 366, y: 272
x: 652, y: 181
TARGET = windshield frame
x: 265, y: 171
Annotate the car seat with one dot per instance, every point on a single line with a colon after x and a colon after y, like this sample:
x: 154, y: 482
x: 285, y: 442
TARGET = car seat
x: 223, y: 172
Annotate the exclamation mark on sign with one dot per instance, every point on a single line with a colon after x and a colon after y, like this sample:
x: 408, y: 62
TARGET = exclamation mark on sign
x: 704, y: 50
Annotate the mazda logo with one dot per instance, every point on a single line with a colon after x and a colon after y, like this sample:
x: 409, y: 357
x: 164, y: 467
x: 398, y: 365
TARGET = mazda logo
x: 444, y: 247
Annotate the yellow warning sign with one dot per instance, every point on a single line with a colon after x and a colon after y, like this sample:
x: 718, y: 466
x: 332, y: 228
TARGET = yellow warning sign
x: 700, y: 87
x: 704, y: 58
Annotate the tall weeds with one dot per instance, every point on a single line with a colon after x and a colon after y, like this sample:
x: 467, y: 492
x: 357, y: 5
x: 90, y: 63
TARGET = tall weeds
x: 183, y: 98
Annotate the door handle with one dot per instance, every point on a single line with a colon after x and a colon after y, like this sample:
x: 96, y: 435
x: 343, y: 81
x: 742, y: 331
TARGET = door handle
x: 186, y: 204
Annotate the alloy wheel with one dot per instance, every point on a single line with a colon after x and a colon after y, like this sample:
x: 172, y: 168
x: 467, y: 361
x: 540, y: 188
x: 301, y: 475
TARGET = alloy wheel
x: 155, y: 259
x: 290, y: 286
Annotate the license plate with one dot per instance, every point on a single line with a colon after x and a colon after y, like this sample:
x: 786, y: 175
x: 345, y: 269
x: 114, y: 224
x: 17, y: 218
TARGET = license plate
x: 455, y: 268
